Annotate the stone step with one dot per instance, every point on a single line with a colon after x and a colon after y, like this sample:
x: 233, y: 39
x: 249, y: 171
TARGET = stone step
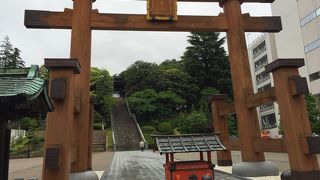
x: 126, y: 133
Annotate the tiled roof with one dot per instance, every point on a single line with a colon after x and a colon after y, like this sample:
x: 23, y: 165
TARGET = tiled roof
x: 20, y: 88
x: 188, y: 143
x: 14, y: 82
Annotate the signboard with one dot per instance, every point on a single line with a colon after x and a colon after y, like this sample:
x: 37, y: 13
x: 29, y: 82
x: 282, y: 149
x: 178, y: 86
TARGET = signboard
x: 162, y: 10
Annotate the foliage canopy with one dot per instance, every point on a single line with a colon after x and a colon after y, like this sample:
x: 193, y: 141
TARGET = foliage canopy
x: 9, y: 55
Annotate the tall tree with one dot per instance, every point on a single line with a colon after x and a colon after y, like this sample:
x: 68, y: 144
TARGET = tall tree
x: 206, y: 60
x: 171, y: 64
x: 182, y: 84
x: 9, y: 55
x: 142, y: 75
x: 101, y: 89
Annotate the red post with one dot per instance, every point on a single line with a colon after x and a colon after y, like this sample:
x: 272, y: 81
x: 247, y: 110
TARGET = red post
x: 201, y: 156
x: 171, y: 158
x: 167, y: 158
x: 209, y: 156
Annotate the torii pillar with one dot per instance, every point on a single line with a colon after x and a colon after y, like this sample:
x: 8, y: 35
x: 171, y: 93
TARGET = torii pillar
x: 248, y: 126
x: 81, y: 49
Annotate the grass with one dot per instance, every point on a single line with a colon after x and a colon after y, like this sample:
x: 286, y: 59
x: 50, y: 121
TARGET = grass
x: 110, y: 140
x: 20, y: 148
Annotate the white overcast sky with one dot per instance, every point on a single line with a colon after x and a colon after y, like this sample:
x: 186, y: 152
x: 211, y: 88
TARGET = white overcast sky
x: 111, y: 50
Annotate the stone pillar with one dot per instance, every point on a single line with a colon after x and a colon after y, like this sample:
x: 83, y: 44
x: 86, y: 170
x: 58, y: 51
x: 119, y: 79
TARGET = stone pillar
x: 220, y: 124
x: 81, y: 49
x: 60, y: 122
x: 290, y: 89
x: 4, y: 149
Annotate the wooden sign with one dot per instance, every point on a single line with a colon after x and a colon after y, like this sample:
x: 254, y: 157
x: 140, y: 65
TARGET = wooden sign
x: 58, y: 89
x: 52, y: 157
x: 162, y: 10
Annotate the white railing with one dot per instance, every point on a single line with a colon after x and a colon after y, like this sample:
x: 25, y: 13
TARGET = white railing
x: 114, y: 145
x: 15, y: 134
x: 137, y: 125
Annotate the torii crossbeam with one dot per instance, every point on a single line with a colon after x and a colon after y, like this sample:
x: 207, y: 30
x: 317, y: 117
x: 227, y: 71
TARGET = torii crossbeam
x: 82, y: 20
x: 134, y: 22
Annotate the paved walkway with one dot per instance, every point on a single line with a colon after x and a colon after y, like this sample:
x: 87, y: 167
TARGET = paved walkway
x: 141, y: 162
x: 128, y: 165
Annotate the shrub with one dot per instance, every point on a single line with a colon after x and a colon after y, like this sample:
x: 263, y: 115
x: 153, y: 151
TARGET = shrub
x: 165, y: 128
x: 147, y: 131
x: 196, y: 122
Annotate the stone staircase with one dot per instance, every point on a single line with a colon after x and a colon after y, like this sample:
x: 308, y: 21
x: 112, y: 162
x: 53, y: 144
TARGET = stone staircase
x: 125, y: 131
x: 99, y: 141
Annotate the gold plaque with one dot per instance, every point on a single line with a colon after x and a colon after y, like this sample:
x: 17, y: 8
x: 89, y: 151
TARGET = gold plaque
x: 162, y: 10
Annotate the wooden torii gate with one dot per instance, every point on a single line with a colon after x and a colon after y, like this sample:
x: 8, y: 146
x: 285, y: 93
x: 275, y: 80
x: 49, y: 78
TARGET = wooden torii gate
x: 82, y: 20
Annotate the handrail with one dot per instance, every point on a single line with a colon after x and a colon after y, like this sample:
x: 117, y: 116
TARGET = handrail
x: 114, y: 145
x: 137, y: 125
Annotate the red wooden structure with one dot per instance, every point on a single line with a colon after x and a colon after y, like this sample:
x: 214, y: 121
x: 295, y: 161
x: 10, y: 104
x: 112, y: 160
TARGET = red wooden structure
x: 196, y: 169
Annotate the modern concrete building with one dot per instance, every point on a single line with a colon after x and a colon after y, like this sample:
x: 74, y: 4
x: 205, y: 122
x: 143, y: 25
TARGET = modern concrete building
x: 261, y: 52
x: 300, y: 37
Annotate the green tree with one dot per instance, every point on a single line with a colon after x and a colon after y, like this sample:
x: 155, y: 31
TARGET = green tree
x: 142, y: 103
x: 43, y: 71
x: 232, y: 126
x: 148, y: 104
x: 9, y: 55
x: 147, y: 131
x: 182, y: 84
x: 165, y: 128
x: 204, y: 101
x: 142, y: 75
x: 101, y: 89
x: 313, y: 113
x: 168, y: 103
x: 206, y: 60
x: 171, y: 64
x: 28, y: 123
x: 195, y: 122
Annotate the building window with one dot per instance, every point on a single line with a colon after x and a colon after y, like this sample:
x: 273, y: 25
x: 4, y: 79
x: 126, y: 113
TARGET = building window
x: 318, y: 12
x: 259, y: 49
x: 308, y: 18
x: 262, y: 77
x: 310, y: 47
x: 266, y: 107
x: 317, y: 96
x: 261, y: 62
x: 265, y: 87
x: 314, y: 76
x: 268, y: 121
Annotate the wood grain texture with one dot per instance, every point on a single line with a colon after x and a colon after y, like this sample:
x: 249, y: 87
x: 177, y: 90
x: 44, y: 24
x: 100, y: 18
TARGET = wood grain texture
x: 220, y: 124
x: 294, y: 121
x: 270, y: 145
x: 81, y: 49
x: 247, y: 119
x: 59, y: 126
x: 135, y: 22
x: 261, y: 98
